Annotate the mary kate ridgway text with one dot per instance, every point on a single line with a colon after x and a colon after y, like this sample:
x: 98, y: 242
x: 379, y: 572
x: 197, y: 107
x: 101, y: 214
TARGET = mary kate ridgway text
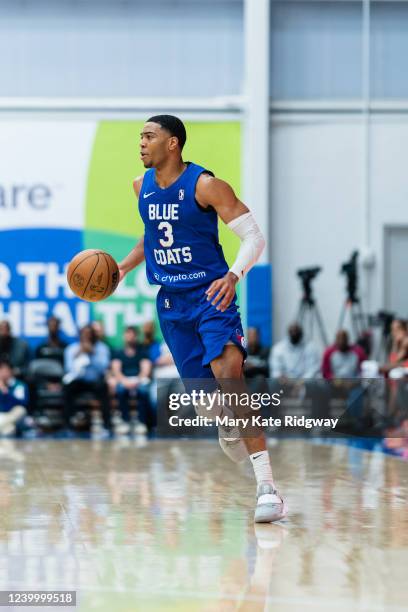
x: 252, y: 421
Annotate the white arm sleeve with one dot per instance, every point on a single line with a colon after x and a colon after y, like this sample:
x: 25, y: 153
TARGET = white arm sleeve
x: 252, y: 243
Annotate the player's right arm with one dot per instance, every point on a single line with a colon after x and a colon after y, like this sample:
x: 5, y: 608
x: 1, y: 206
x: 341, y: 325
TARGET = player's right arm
x: 136, y: 255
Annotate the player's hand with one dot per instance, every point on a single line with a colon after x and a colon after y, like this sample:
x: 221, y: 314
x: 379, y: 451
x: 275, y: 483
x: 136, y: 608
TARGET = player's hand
x: 122, y: 274
x: 223, y: 291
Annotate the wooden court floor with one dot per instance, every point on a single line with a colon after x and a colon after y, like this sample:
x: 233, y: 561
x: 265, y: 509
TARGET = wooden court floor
x: 168, y: 526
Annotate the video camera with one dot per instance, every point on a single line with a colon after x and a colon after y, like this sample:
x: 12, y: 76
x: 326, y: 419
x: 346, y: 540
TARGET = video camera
x: 307, y: 275
x: 349, y: 268
x: 383, y: 319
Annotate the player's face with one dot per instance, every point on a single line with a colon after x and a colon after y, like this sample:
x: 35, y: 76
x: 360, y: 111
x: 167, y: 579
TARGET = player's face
x: 154, y: 145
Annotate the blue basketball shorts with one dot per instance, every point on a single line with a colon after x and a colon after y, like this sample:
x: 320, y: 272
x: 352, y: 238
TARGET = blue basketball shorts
x: 195, y: 332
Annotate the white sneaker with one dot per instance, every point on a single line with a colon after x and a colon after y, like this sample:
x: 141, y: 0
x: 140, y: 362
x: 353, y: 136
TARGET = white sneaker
x: 121, y: 428
x: 98, y: 431
x: 270, y: 505
x: 139, y: 428
x: 100, y: 434
x: 9, y: 419
x: 232, y: 444
x: 7, y: 429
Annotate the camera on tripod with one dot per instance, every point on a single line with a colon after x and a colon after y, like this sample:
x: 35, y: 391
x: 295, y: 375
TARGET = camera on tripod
x: 352, y: 303
x: 349, y: 268
x: 308, y: 309
x: 307, y: 275
x: 383, y: 320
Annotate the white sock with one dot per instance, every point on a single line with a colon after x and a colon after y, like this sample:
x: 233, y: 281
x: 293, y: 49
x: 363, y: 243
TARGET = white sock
x: 262, y: 467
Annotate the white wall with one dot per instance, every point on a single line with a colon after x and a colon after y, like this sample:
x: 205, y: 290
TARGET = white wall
x: 316, y: 201
x: 389, y: 188
x: 119, y: 48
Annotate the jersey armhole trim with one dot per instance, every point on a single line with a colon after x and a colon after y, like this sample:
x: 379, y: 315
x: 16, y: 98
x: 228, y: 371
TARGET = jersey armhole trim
x: 208, y: 209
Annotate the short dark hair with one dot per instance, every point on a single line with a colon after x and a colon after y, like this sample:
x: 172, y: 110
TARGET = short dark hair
x: 172, y: 124
x: 88, y: 327
x: 5, y: 361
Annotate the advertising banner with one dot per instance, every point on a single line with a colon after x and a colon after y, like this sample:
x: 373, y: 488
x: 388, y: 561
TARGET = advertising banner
x: 67, y: 186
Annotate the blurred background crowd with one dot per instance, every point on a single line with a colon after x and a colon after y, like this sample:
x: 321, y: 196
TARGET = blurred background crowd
x: 90, y: 386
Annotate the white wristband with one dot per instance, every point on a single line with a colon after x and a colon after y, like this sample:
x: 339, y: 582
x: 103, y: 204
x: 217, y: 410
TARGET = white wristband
x: 252, y: 243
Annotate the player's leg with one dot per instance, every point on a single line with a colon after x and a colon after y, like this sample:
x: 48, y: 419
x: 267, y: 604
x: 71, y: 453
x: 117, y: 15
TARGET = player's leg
x: 179, y: 332
x: 227, y: 369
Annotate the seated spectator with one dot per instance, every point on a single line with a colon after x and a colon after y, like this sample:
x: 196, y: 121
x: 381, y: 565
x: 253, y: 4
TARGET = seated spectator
x: 54, y: 346
x: 398, y: 357
x: 150, y: 342
x: 342, y: 364
x: 130, y: 377
x: 256, y: 363
x: 99, y: 330
x: 164, y: 366
x: 86, y: 363
x: 14, y: 350
x: 341, y: 359
x: 166, y: 378
x: 294, y: 357
x: 13, y: 401
x: 395, y: 370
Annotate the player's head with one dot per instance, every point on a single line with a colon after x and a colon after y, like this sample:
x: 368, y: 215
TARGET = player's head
x: 162, y: 136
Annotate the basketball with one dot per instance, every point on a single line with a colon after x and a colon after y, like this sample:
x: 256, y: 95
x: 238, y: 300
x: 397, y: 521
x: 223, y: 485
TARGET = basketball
x: 93, y: 275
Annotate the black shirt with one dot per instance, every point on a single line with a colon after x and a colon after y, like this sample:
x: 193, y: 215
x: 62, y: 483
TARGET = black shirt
x: 131, y: 364
x: 51, y: 351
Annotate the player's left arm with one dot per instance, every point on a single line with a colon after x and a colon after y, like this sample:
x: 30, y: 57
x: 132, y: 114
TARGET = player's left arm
x: 218, y: 194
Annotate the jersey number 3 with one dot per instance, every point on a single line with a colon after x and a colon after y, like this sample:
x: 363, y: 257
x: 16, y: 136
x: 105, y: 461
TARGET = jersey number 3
x: 168, y: 239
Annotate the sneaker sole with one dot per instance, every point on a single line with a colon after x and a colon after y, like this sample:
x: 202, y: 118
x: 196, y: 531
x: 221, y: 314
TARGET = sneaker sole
x: 269, y: 513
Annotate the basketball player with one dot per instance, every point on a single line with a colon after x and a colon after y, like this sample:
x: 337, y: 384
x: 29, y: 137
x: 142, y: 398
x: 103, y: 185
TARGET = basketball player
x: 179, y: 203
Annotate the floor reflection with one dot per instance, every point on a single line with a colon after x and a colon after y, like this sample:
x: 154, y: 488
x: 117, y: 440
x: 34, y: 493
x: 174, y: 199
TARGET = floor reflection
x: 169, y: 526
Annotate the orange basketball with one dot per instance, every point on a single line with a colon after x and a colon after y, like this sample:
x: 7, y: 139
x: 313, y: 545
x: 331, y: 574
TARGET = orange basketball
x: 93, y: 275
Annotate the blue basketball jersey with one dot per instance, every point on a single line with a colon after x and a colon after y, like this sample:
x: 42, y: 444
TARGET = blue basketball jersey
x: 181, y: 245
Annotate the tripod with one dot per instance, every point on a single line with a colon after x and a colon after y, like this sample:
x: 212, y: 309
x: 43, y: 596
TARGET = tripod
x: 309, y: 312
x: 352, y: 306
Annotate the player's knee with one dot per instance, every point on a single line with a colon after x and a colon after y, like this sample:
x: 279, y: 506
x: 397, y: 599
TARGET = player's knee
x: 230, y: 363
x: 230, y: 370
